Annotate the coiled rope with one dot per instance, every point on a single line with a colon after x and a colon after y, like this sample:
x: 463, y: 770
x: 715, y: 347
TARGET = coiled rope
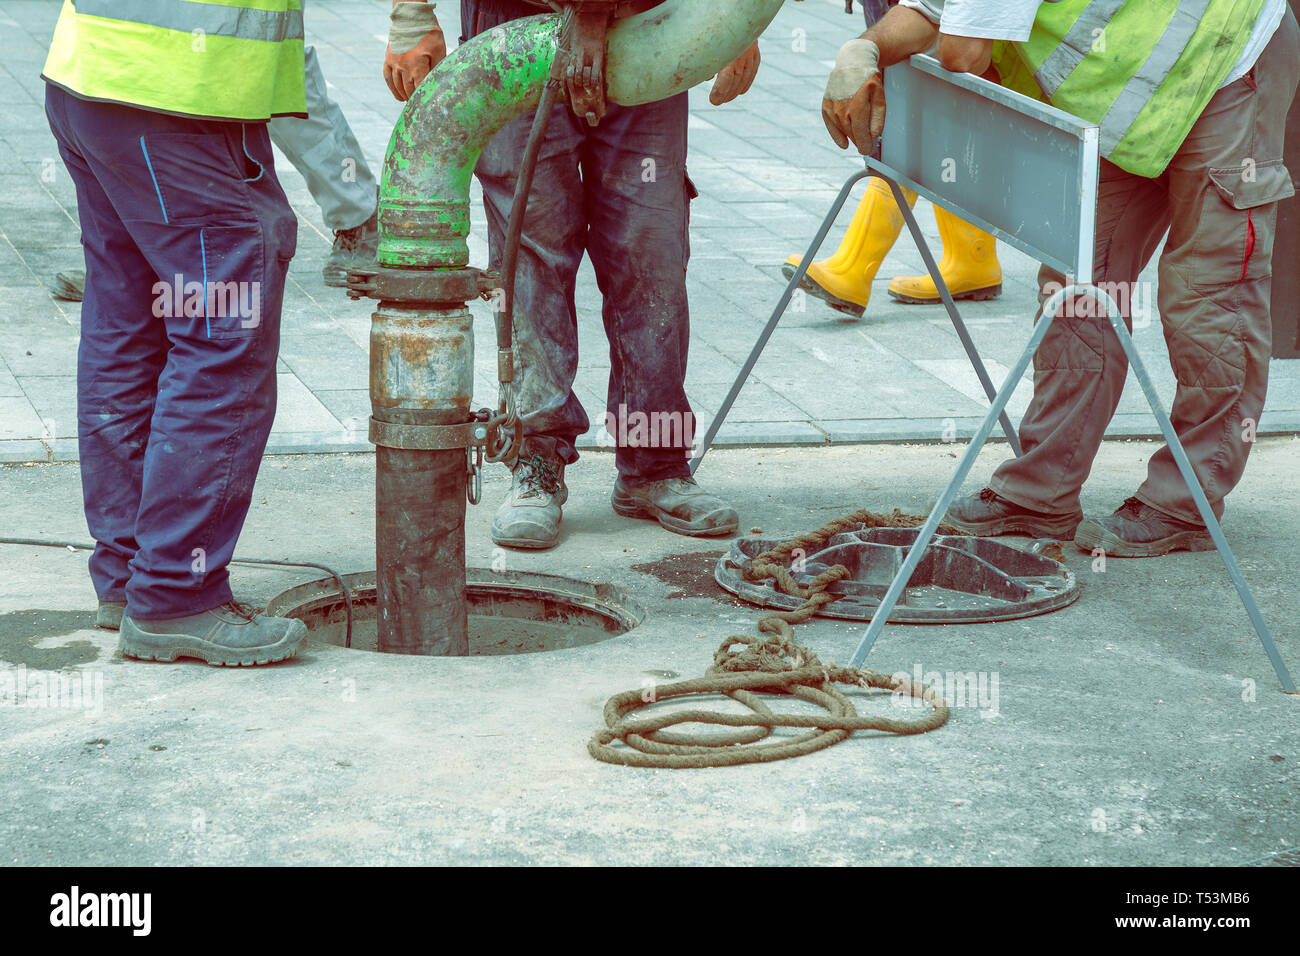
x: 746, y: 666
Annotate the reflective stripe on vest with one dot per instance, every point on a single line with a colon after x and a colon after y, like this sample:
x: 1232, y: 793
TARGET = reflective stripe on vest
x: 1141, y: 88
x: 1091, y: 23
x: 1143, y: 70
x: 225, y: 60
x: 215, y: 19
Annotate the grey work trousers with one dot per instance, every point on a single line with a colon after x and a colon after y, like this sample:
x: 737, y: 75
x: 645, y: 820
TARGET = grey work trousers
x: 323, y: 148
x: 1218, y: 199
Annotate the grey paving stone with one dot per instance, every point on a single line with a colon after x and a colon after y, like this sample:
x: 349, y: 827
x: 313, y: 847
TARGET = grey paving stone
x: 18, y: 419
x: 55, y: 399
x: 767, y: 173
x: 323, y: 362
x: 298, y: 411
x: 9, y: 387
x: 350, y: 406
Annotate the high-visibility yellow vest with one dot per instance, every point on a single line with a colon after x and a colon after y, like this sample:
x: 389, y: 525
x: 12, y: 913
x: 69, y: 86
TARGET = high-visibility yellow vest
x: 214, y: 59
x: 1143, y: 70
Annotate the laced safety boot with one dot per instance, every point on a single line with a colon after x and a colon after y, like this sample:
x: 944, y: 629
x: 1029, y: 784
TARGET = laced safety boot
x: 232, y: 635
x: 530, y: 516
x: 678, y: 504
x: 988, y: 515
x: 355, y: 248
x: 969, y: 265
x: 843, y: 281
x: 1136, y: 530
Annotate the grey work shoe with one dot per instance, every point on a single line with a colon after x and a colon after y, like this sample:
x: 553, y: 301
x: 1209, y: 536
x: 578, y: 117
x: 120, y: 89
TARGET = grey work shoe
x: 109, y: 615
x: 1136, y: 530
x: 678, y: 504
x: 988, y: 514
x: 355, y: 248
x: 530, y: 515
x: 231, y: 635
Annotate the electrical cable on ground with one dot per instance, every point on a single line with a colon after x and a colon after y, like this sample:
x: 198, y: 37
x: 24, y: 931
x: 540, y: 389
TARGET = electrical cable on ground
x: 338, y: 578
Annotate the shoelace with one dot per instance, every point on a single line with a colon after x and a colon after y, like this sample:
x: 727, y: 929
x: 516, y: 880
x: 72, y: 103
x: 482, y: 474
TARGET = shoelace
x: 537, y: 475
x: 349, y: 240
x: 245, y: 611
x: 988, y: 494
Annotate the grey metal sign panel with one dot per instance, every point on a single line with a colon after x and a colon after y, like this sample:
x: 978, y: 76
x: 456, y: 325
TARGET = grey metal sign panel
x: 1020, y: 169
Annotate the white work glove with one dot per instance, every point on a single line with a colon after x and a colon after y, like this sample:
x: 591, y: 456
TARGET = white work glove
x: 854, y: 105
x: 415, y: 47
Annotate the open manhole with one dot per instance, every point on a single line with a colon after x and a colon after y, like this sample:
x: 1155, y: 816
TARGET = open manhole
x: 510, y: 612
x: 960, y: 579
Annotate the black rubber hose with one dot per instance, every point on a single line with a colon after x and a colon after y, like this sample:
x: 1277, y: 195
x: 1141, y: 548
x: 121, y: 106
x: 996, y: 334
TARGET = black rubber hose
x: 519, y: 205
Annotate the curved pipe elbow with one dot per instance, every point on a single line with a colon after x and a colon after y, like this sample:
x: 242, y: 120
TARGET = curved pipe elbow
x: 499, y: 75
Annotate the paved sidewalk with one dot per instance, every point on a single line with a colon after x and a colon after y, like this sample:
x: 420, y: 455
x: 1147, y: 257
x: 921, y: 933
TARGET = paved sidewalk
x: 1140, y: 726
x: 766, y: 172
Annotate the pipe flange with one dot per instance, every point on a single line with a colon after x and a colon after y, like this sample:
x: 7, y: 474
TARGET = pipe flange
x: 426, y: 286
x: 427, y: 437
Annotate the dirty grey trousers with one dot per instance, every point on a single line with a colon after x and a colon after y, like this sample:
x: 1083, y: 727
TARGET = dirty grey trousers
x: 1218, y: 199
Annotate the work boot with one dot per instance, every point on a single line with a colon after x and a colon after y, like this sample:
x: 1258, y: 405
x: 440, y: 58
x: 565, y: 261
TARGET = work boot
x: 988, y: 515
x: 969, y: 265
x: 355, y: 248
x: 231, y: 635
x: 678, y: 504
x: 530, y: 515
x: 844, y: 280
x: 109, y: 615
x: 70, y: 286
x: 1136, y: 530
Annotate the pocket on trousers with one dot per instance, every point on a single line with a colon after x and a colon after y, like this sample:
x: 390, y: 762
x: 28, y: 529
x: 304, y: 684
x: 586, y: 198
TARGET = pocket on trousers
x: 1239, y: 220
x: 222, y: 295
x: 196, y: 175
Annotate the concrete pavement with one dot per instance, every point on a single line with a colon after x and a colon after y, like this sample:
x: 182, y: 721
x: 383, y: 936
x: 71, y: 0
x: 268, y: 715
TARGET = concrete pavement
x: 766, y: 171
x: 1141, y: 725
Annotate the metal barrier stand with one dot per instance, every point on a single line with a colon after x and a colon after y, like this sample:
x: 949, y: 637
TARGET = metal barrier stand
x: 1016, y: 140
x: 784, y: 303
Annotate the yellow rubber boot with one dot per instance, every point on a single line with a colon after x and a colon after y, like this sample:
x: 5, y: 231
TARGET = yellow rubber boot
x: 969, y: 265
x: 843, y: 280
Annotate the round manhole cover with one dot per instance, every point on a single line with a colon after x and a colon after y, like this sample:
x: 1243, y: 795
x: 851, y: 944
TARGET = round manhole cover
x: 510, y: 612
x: 960, y: 579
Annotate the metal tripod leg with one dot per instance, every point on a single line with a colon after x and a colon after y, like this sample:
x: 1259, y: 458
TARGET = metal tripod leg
x: 781, y: 305
x: 927, y: 530
x: 1198, y: 495
x: 958, y: 325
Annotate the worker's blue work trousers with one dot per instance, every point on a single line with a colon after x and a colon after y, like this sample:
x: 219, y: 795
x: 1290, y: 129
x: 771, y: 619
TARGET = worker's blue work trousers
x: 187, y: 237
x: 619, y: 193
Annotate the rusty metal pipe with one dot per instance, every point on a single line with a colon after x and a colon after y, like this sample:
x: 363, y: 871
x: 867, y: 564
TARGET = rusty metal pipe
x: 421, y: 348
x: 421, y: 374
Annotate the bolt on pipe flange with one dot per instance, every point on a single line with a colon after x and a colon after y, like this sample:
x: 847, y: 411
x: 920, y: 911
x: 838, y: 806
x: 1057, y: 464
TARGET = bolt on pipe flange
x: 424, y: 286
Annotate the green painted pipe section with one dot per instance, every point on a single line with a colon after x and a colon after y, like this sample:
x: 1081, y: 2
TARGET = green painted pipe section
x: 499, y: 75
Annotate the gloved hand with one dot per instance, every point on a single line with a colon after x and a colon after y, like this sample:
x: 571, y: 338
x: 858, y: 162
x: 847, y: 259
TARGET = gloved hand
x: 854, y: 105
x: 415, y: 47
x: 736, y: 78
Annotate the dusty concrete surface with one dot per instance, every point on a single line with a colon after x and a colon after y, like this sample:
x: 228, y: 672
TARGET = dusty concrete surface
x: 1142, y: 725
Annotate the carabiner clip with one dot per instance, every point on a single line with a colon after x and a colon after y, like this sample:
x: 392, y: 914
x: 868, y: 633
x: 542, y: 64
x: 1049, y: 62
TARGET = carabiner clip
x: 474, y: 474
